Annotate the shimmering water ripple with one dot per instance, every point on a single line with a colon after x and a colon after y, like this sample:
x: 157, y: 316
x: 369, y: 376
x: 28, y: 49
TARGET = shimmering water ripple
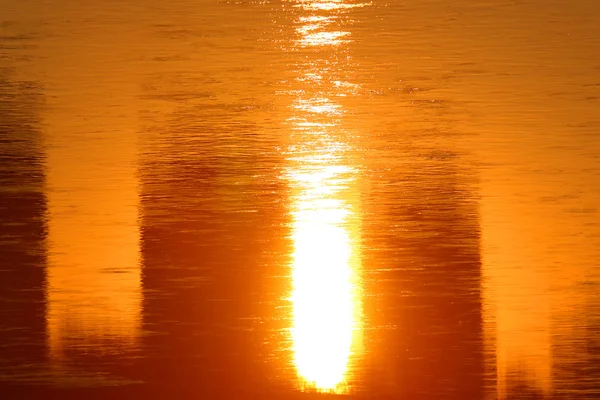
x: 299, y: 198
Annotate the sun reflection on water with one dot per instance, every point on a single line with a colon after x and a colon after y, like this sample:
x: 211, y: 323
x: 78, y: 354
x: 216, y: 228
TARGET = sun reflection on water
x: 326, y: 301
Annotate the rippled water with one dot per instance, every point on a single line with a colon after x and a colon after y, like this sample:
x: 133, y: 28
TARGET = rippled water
x: 301, y: 198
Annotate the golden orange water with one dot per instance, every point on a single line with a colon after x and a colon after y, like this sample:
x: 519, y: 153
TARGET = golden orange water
x: 526, y: 300
x: 443, y: 155
x: 94, y: 293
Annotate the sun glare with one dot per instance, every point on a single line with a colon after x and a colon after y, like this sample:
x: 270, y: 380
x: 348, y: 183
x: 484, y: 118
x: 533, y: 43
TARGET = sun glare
x: 324, y: 297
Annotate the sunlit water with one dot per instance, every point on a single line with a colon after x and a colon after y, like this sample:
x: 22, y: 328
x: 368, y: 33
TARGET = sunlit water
x: 325, y: 227
x: 274, y: 199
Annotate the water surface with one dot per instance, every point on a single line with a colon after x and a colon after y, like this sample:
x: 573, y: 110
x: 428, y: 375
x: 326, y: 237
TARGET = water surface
x: 281, y: 199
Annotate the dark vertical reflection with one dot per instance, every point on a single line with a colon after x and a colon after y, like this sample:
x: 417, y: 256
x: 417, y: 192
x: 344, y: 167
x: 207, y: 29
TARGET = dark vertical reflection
x: 22, y: 228
x: 425, y: 281
x: 209, y: 242
x: 577, y: 349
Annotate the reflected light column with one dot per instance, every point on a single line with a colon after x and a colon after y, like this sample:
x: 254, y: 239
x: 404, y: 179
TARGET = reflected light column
x: 326, y: 299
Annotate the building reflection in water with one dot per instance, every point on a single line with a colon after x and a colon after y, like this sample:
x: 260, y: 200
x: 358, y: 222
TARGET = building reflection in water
x: 326, y: 291
x: 211, y: 219
x: 22, y: 222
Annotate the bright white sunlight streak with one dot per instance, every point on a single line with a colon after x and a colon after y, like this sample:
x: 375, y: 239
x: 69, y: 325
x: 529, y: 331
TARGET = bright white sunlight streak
x: 325, y: 309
